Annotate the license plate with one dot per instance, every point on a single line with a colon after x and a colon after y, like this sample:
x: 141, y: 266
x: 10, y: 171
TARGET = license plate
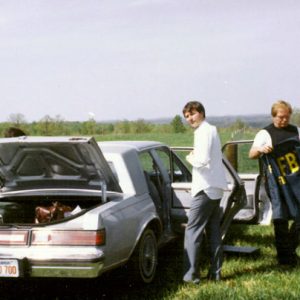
x: 9, y: 268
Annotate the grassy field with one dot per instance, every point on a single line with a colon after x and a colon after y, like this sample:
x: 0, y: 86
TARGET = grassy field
x: 176, y: 139
x: 179, y: 139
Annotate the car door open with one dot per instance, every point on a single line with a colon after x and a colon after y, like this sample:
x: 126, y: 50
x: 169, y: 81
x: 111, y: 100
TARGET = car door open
x: 233, y: 199
x: 257, y: 208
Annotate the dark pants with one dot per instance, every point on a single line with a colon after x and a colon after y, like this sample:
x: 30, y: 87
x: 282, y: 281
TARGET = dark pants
x: 204, y: 215
x: 286, y: 241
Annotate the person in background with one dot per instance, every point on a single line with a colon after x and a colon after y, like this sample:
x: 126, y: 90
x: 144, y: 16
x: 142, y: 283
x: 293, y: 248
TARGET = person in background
x: 208, y: 183
x: 13, y: 132
x: 267, y: 141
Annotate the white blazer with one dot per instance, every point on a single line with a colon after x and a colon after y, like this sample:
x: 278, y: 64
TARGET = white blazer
x: 206, y: 158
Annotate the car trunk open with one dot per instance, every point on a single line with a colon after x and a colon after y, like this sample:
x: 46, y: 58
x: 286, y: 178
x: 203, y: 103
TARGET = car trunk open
x: 36, y: 209
x: 64, y: 175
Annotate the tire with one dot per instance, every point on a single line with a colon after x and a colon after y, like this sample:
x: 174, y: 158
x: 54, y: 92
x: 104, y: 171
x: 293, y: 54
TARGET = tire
x: 145, y: 257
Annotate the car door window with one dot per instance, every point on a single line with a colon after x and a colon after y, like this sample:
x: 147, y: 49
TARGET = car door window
x: 237, y: 154
x: 151, y: 169
x: 146, y: 161
x: 176, y: 169
x: 257, y: 208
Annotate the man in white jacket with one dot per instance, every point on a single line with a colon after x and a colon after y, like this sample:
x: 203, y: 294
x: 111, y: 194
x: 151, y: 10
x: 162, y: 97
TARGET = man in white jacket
x: 208, y: 184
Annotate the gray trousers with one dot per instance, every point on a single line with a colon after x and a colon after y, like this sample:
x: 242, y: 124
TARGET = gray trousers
x: 205, y: 215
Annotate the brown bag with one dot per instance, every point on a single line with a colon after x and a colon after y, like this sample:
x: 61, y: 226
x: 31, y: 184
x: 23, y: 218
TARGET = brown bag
x: 46, y: 214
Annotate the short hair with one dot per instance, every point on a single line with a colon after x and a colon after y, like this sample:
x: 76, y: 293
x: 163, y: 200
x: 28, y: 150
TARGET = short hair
x: 194, y: 105
x: 280, y: 104
x: 13, y: 132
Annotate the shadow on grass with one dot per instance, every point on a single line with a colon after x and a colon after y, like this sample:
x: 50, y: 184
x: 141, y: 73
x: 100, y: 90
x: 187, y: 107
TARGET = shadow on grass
x: 269, y: 266
x: 259, y: 235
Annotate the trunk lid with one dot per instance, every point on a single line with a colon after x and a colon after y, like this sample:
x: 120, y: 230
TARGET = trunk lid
x: 28, y: 163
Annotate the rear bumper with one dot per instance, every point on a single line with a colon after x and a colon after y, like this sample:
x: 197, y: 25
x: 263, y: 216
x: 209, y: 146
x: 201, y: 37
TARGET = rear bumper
x: 73, y: 269
x: 85, y: 262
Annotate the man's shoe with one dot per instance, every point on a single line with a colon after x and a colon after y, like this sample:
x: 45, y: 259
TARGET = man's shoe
x: 291, y: 261
x: 214, y: 277
x: 195, y: 281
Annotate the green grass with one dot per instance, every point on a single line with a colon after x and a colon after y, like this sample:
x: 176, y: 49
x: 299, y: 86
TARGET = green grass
x: 174, y: 139
x: 171, y: 139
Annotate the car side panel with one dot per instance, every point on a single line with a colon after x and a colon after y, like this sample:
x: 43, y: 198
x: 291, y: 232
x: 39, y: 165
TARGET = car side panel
x: 124, y: 223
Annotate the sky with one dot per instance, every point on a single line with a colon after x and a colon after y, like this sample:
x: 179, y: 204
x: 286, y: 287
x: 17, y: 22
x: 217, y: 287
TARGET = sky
x: 144, y: 59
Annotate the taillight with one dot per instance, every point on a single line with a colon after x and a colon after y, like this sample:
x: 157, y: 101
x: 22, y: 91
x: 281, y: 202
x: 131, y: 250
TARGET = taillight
x: 68, y: 238
x: 13, y: 237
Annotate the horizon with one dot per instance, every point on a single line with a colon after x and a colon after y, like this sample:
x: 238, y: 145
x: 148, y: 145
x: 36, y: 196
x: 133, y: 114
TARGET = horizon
x: 160, y: 119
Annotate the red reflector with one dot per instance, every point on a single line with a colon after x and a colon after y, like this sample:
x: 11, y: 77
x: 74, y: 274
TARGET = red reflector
x: 13, y: 237
x: 68, y: 237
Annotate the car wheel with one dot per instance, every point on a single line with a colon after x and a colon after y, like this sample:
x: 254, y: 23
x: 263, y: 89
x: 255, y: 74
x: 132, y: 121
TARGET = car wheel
x: 145, y: 257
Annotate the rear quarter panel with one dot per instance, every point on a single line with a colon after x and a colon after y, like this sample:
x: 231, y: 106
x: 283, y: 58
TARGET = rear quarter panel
x: 124, y: 222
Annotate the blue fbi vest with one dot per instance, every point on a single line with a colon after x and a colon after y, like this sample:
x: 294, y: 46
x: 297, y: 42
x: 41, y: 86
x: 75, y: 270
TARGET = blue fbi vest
x: 282, y: 170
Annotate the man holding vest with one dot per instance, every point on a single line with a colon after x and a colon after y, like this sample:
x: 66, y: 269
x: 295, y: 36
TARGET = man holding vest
x: 275, y: 145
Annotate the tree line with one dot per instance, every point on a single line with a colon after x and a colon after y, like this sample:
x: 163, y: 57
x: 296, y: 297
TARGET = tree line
x: 57, y: 126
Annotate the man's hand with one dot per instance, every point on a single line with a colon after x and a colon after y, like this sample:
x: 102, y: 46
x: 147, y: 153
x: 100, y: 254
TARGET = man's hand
x: 189, y: 155
x: 256, y: 152
x: 265, y: 149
